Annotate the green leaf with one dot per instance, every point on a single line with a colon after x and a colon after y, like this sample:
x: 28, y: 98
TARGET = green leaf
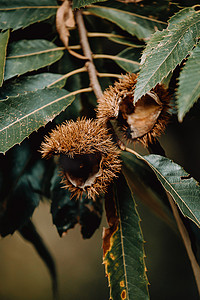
x: 28, y: 55
x: 180, y: 16
x: 182, y: 187
x: 144, y: 183
x: 156, y: 38
x: 22, y: 115
x: 123, y: 246
x: 17, y: 14
x: 22, y: 85
x: 131, y: 63
x: 4, y: 36
x: 68, y: 211
x: 82, y: 3
x: 30, y: 234
x: 173, y: 45
x: 189, y: 84
x: 137, y: 25
x: 23, y: 176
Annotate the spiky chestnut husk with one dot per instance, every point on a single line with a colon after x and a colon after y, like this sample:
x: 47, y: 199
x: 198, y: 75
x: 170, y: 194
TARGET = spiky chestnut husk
x: 88, y: 158
x: 140, y: 122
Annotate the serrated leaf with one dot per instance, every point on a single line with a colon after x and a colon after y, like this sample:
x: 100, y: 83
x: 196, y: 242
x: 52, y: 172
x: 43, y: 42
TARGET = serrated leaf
x: 180, y: 16
x: 189, y: 83
x: 28, y: 55
x: 22, y: 115
x: 30, y: 234
x: 182, y: 187
x: 156, y: 38
x: 21, y: 85
x: 123, y: 246
x: 131, y: 63
x: 144, y: 183
x: 4, y: 36
x: 178, y: 40
x: 83, y: 3
x: 23, y: 176
x: 68, y: 211
x: 19, y: 14
x: 137, y: 25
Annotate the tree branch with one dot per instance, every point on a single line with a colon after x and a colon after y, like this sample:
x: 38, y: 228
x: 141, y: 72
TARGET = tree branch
x: 88, y: 53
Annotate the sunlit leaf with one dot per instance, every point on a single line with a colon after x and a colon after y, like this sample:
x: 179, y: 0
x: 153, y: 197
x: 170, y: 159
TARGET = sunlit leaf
x: 17, y: 14
x: 22, y: 115
x: 28, y: 55
x: 23, y: 84
x: 4, y: 36
x: 140, y: 26
x: 123, y: 246
x: 173, y: 45
x: 189, y: 83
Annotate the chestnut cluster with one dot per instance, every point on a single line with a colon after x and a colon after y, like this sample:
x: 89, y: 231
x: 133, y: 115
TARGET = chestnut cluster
x: 87, y: 155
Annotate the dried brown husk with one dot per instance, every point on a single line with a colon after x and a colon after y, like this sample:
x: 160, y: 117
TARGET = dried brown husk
x: 84, y: 137
x: 141, y: 122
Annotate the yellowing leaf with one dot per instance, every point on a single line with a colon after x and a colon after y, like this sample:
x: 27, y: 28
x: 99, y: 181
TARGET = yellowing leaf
x: 123, y: 246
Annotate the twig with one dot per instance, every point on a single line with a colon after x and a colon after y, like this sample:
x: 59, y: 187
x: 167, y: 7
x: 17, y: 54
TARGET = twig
x: 88, y: 53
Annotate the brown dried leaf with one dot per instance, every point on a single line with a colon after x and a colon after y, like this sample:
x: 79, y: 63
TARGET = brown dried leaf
x: 64, y: 20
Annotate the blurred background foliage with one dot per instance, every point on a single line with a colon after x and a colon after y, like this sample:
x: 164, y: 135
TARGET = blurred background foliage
x: 80, y: 270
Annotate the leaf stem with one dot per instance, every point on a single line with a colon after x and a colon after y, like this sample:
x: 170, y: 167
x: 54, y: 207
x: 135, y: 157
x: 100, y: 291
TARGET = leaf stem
x: 85, y: 90
x: 68, y: 75
x: 88, y: 53
x: 103, y: 34
x: 109, y: 75
x: 115, y: 57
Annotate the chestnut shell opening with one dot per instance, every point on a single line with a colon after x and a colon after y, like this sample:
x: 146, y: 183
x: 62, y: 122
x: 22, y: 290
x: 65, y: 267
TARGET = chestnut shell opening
x: 82, y: 169
x: 138, y: 120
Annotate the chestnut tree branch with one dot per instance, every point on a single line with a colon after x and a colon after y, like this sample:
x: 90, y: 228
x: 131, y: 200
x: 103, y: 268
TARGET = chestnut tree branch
x: 88, y: 53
